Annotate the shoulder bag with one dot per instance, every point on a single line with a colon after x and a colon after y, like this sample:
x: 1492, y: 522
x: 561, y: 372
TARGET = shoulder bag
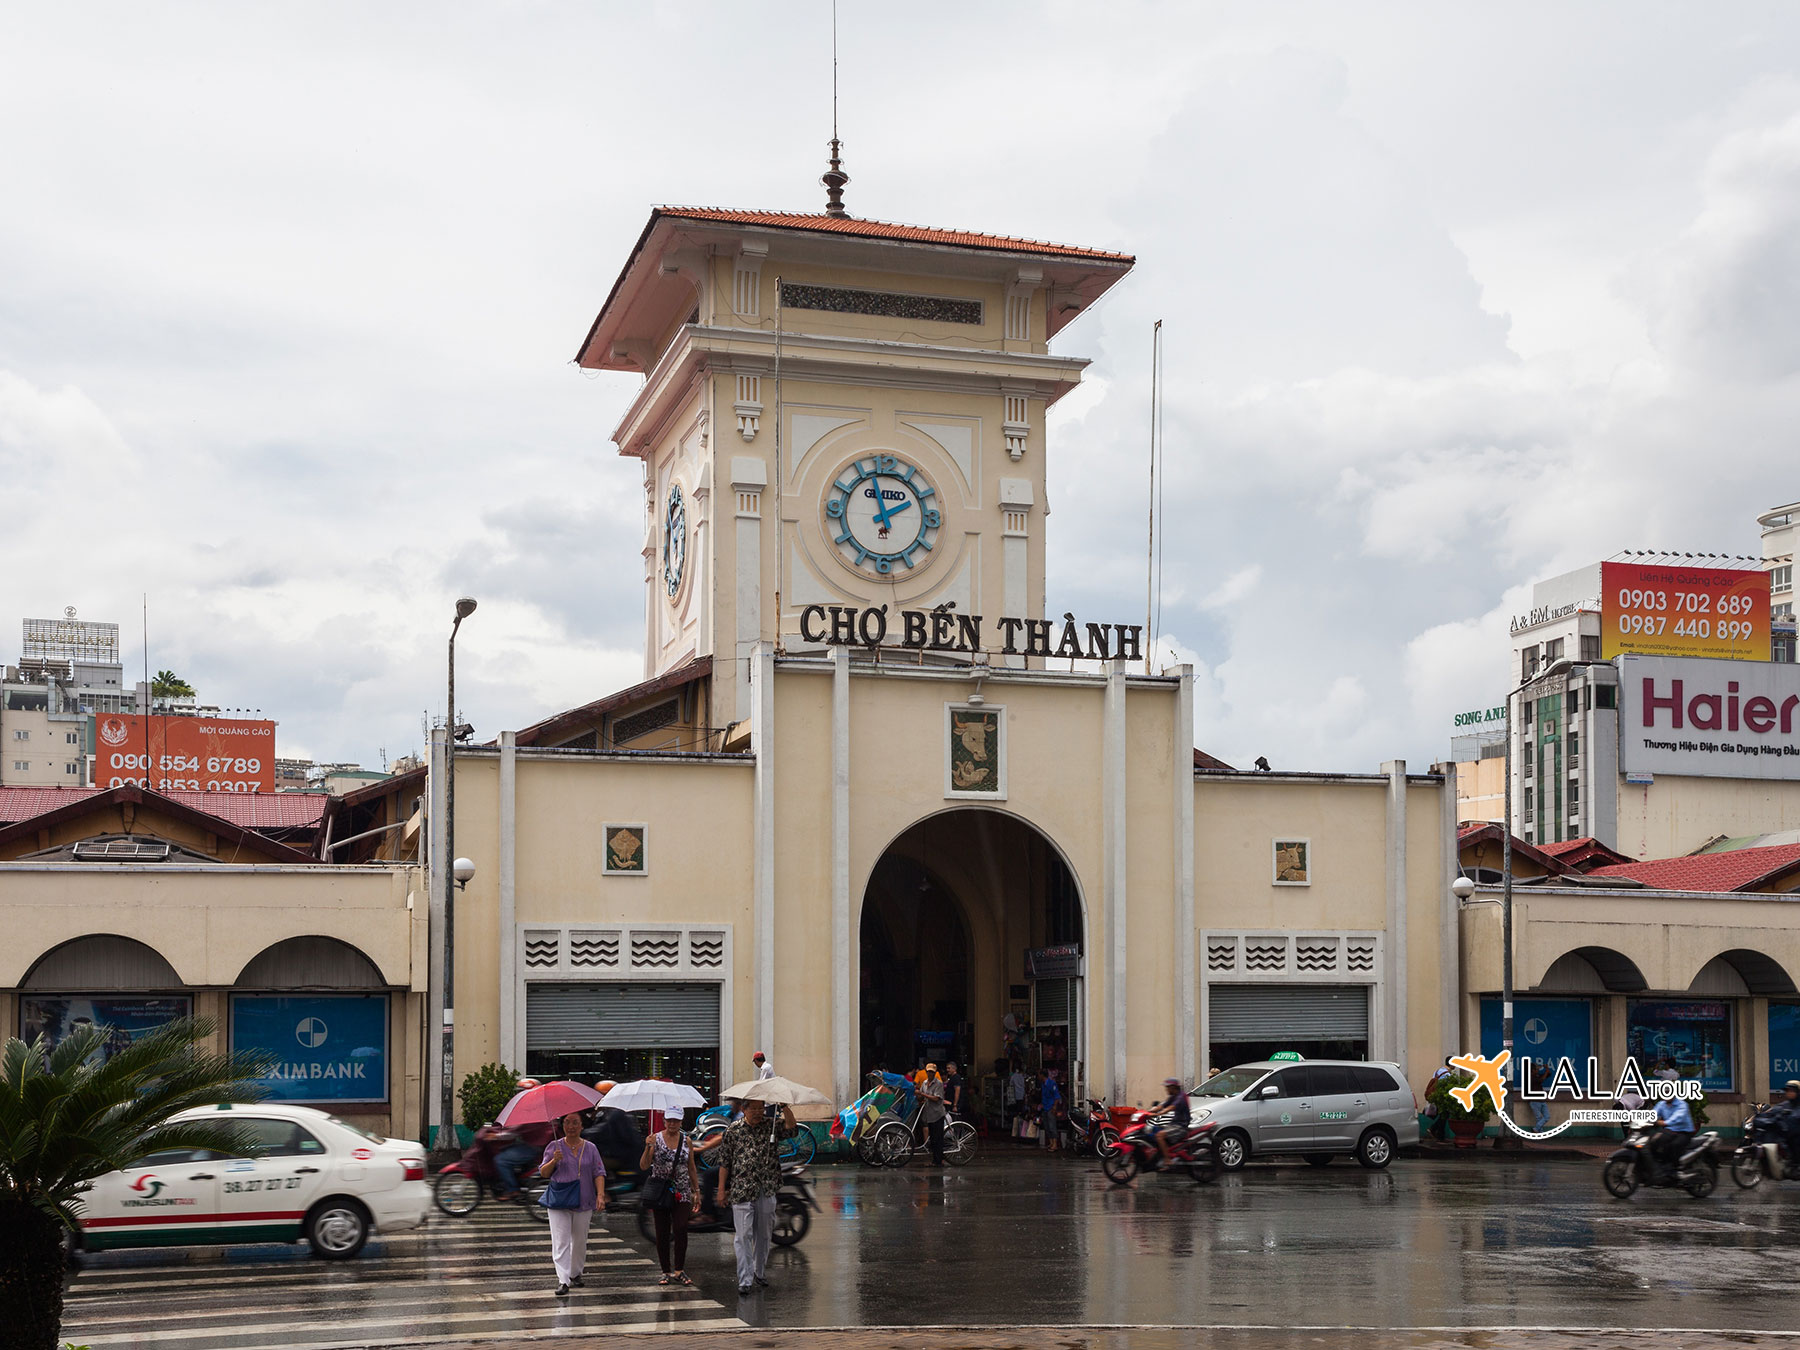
x: 564, y: 1194
x: 659, y: 1191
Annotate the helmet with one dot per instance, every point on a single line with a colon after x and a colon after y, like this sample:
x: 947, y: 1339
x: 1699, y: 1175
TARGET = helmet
x: 1792, y: 1085
x: 1172, y: 1082
x: 604, y: 1086
x: 758, y: 1055
x: 524, y: 1083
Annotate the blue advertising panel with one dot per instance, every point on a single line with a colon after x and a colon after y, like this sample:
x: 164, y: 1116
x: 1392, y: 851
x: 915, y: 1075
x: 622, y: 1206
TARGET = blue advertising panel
x: 1695, y: 1035
x: 327, y: 1047
x: 1544, y: 1031
x: 1784, y: 1044
x: 126, y: 1017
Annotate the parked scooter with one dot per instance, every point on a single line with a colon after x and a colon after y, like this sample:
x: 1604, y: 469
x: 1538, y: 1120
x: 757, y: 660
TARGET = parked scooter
x: 1136, y: 1152
x: 1764, y: 1152
x: 794, y: 1208
x: 460, y: 1187
x: 1695, y: 1172
x: 1095, y: 1131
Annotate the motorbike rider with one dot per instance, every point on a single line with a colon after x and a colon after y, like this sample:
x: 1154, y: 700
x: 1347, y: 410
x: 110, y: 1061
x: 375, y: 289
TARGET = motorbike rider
x: 1784, y: 1115
x: 1675, y: 1127
x: 528, y: 1147
x: 1176, y: 1129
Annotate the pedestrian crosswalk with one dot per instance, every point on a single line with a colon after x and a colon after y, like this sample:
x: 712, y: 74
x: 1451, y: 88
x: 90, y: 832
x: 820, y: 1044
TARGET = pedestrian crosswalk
x: 454, y: 1280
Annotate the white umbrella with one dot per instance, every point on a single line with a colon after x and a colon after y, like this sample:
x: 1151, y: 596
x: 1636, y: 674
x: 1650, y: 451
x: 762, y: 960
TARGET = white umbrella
x: 778, y: 1091
x: 651, y: 1094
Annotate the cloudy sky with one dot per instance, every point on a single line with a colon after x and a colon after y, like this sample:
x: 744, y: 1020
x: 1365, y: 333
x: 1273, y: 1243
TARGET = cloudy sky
x: 1452, y: 301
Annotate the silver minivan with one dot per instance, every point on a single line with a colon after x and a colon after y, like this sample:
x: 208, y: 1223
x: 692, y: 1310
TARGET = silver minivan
x: 1318, y: 1108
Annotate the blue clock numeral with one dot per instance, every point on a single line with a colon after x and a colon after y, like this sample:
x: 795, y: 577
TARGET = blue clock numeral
x: 886, y: 464
x: 931, y: 519
x: 835, y: 507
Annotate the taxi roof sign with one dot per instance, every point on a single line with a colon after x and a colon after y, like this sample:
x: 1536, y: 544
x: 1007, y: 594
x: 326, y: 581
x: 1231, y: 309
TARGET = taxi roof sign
x: 1286, y: 1055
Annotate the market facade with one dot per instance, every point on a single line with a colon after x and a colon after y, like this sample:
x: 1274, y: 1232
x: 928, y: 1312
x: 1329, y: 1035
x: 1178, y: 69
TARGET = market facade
x: 870, y: 799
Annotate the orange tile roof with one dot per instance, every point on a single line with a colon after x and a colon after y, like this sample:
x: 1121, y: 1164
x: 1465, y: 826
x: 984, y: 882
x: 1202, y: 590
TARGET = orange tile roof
x: 1733, y: 871
x: 880, y: 229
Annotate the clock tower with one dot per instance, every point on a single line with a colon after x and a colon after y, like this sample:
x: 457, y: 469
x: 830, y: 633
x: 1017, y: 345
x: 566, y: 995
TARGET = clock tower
x: 835, y: 412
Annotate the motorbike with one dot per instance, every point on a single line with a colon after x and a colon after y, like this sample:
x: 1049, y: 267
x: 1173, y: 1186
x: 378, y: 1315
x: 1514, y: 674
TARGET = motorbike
x: 1695, y: 1172
x: 1135, y: 1151
x: 1096, y: 1131
x: 795, y: 1151
x: 1764, y: 1151
x: 794, y: 1208
x: 461, y: 1186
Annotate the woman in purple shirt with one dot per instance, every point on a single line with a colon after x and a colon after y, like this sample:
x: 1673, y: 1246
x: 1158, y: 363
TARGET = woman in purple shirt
x: 572, y: 1158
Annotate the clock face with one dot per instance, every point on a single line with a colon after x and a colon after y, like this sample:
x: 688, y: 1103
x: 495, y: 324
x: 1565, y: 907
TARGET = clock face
x: 674, y: 542
x: 882, y: 513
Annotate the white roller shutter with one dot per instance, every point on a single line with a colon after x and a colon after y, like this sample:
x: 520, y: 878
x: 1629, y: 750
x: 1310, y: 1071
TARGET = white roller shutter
x: 1310, y: 1012
x: 621, y: 1016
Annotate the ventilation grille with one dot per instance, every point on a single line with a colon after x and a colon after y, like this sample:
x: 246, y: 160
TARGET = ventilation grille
x: 888, y: 304
x: 628, y: 729
x: 1316, y: 954
x: 706, y: 951
x: 122, y: 850
x: 593, y: 950
x: 655, y: 950
x: 1265, y: 954
x: 1221, y: 953
x: 540, y: 950
x: 1361, y: 955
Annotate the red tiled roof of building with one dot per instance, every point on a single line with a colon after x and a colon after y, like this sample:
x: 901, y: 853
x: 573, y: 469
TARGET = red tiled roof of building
x: 249, y: 810
x: 881, y: 229
x: 1205, y: 763
x: 1740, y: 870
x: 1585, y: 854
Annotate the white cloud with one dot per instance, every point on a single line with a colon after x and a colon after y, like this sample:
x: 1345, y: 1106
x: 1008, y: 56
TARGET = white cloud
x: 1451, y: 299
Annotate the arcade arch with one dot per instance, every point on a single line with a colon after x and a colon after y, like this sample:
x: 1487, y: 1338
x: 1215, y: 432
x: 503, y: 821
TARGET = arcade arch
x: 948, y: 914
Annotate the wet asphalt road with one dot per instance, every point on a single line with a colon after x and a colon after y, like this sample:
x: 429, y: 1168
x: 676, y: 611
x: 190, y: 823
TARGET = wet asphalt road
x: 1019, y: 1241
x: 1016, y: 1241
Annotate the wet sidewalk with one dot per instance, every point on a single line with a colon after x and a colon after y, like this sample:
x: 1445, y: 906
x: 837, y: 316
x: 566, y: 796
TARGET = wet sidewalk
x: 1166, y: 1338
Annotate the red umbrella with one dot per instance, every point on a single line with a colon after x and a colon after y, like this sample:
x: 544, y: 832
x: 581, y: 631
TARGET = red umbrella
x: 546, y: 1103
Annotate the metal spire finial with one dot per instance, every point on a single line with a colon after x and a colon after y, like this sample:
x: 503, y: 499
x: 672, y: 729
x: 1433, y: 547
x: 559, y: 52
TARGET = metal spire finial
x: 835, y: 177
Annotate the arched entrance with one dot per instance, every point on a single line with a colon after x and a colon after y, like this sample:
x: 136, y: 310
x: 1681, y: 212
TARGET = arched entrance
x: 951, y: 910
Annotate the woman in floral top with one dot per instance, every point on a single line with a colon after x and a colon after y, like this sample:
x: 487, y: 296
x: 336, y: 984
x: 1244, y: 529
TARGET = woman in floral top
x: 668, y: 1154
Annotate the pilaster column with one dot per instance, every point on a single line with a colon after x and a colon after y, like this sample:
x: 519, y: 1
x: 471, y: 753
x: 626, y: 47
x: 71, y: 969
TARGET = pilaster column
x: 762, y: 742
x: 1187, y: 936
x: 1395, y: 1003
x: 1116, y: 854
x: 1015, y: 518
x: 843, y: 1062
x: 749, y: 476
x: 512, y: 1045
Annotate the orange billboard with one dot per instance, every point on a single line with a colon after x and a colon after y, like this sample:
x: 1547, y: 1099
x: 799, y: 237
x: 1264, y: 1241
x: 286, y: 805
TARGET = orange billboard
x: 194, y: 754
x: 1661, y: 609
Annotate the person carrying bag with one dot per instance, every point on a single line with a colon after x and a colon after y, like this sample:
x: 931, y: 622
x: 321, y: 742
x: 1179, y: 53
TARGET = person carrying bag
x: 575, y: 1191
x: 671, y: 1194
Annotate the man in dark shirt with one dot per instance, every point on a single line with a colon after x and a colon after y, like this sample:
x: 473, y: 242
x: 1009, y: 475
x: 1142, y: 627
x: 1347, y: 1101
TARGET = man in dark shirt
x: 953, y: 1093
x: 1176, y: 1103
x: 749, y: 1176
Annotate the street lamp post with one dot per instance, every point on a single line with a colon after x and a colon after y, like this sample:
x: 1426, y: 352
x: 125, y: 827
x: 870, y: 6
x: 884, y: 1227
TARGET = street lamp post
x: 452, y: 866
x: 1506, y: 881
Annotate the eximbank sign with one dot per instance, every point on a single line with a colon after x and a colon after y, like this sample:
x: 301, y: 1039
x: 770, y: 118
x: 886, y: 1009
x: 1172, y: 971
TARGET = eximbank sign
x: 1709, y: 719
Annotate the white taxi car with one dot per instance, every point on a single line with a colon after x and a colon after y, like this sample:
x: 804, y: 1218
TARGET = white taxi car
x: 319, y: 1178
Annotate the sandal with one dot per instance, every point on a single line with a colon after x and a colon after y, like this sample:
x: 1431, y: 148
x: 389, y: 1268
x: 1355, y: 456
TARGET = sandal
x: 665, y: 1280
x: 681, y: 1278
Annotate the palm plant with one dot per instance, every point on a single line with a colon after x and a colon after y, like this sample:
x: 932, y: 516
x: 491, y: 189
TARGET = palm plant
x: 168, y: 684
x: 68, y: 1116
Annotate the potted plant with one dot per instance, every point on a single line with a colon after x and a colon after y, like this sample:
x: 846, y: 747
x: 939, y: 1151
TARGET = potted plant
x: 1464, y: 1123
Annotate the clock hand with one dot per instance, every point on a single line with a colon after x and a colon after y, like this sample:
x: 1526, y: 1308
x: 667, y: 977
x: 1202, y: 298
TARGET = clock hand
x: 883, y: 511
